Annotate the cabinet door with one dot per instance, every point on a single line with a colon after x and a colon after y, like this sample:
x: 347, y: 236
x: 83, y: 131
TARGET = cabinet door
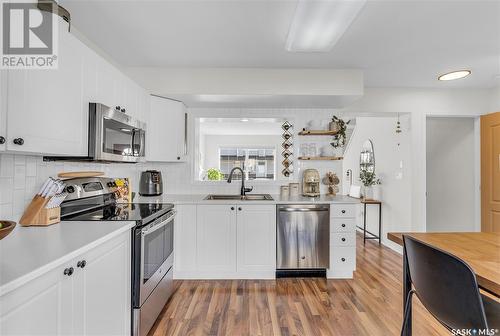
x: 256, y: 240
x: 216, y: 238
x: 165, y: 131
x: 103, y: 290
x: 3, y: 108
x: 44, y: 106
x: 185, y: 240
x: 43, y: 306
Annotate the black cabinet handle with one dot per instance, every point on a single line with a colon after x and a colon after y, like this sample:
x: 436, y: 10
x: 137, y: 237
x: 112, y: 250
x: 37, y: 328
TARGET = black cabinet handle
x: 68, y: 271
x: 81, y: 263
x: 239, y: 209
x: 18, y: 141
x: 232, y: 208
x: 343, y: 239
x: 123, y: 110
x: 343, y: 225
x: 343, y: 211
x: 343, y: 259
x: 2, y: 140
x: 178, y: 158
x: 118, y: 108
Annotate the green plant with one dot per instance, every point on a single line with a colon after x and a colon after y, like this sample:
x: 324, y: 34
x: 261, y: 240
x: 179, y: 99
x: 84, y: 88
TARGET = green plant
x: 214, y: 174
x: 339, y: 139
x: 368, y: 178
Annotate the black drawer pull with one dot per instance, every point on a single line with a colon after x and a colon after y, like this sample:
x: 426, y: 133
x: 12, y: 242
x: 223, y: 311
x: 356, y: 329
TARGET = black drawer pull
x: 343, y: 211
x: 343, y: 259
x: 343, y: 239
x: 68, y: 271
x: 343, y: 225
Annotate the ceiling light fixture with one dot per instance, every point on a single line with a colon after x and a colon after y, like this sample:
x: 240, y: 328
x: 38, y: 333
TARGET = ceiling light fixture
x: 454, y: 75
x: 317, y: 25
x: 244, y: 120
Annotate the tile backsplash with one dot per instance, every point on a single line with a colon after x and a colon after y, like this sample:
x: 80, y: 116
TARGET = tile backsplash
x: 21, y: 176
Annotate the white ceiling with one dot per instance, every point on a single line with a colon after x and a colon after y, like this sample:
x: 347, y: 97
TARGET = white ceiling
x: 397, y: 43
x: 231, y: 126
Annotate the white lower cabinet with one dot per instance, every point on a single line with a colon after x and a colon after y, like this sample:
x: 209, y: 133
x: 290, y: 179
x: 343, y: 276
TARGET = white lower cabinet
x: 92, y: 300
x: 343, y: 220
x: 216, y: 239
x: 256, y: 240
x: 225, y: 241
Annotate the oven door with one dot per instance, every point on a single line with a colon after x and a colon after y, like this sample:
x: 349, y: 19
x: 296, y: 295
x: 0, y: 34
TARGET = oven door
x: 156, y: 254
x: 115, y: 135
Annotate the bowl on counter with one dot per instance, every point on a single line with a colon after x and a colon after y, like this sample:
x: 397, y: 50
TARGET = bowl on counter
x: 6, y: 227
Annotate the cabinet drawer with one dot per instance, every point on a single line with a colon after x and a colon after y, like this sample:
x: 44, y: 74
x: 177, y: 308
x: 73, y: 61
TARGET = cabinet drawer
x: 343, y: 257
x: 343, y: 210
x: 340, y: 224
x: 343, y: 238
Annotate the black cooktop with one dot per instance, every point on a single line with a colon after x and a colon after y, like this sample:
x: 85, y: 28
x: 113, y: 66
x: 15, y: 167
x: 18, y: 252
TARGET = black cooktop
x: 139, y: 212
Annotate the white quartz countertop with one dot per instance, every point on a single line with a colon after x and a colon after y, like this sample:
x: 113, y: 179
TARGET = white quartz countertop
x: 29, y: 252
x: 277, y: 199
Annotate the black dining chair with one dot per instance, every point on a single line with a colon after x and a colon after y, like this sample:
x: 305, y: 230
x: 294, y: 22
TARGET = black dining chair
x: 447, y: 287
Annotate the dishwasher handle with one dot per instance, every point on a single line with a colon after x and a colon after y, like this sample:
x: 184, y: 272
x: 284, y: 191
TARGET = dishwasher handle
x: 305, y: 209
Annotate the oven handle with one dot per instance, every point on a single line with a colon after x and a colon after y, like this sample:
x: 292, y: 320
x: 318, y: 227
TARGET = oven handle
x: 159, y: 225
x: 133, y: 141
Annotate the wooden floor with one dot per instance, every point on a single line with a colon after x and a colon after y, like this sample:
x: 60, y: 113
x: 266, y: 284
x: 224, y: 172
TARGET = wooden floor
x: 370, y: 304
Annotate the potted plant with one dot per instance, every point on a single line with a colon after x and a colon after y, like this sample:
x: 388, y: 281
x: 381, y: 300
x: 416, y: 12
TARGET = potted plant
x: 340, y: 126
x: 369, y: 179
x: 214, y: 174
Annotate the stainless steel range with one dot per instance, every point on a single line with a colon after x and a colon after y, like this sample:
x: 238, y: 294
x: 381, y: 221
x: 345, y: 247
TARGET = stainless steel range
x: 94, y: 199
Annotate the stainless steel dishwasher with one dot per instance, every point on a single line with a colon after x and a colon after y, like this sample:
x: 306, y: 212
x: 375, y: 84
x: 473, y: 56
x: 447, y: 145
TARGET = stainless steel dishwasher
x: 303, y: 237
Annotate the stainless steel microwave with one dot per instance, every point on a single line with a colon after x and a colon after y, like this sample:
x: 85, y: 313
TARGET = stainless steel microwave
x: 113, y: 137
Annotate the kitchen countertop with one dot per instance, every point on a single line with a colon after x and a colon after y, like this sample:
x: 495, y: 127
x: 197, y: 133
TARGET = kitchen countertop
x: 29, y: 252
x: 277, y: 199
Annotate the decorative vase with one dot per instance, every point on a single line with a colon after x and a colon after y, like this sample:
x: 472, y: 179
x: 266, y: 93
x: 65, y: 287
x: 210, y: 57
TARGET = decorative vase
x: 377, y: 192
x: 333, y: 126
x: 368, y: 193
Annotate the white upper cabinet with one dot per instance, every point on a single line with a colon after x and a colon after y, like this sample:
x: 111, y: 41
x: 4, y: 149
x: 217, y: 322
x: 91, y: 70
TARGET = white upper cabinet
x: 166, y: 131
x: 3, y: 109
x: 45, y: 112
x: 44, y: 106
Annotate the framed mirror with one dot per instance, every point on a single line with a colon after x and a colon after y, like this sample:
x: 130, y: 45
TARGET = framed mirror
x: 367, y: 157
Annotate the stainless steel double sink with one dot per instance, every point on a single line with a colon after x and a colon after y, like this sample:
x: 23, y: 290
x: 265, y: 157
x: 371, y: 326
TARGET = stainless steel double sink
x: 251, y: 197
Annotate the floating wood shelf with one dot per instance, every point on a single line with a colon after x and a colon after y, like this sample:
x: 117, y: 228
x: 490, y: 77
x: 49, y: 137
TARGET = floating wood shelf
x: 320, y: 158
x: 329, y: 133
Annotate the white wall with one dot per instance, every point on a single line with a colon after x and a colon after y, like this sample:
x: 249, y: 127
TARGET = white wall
x: 451, y: 175
x: 392, y: 165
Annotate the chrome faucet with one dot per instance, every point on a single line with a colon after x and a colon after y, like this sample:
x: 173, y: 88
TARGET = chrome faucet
x: 243, y: 189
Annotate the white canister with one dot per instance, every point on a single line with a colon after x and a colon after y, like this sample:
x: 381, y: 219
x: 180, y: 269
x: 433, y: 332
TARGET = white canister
x: 284, y: 191
x: 294, y: 189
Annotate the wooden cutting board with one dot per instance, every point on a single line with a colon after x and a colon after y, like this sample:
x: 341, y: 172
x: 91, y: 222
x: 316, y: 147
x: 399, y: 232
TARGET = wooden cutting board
x: 76, y: 174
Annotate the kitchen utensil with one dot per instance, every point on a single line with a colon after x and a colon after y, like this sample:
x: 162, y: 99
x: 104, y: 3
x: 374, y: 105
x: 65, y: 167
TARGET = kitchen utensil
x: 80, y: 174
x: 6, y: 227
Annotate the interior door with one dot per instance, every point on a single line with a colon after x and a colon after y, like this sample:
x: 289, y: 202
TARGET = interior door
x: 490, y: 172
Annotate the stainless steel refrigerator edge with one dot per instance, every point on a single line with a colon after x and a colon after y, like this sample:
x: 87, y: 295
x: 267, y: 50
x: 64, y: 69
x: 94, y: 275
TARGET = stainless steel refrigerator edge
x: 303, y: 237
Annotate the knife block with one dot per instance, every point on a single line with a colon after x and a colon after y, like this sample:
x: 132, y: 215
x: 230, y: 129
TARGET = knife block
x: 37, y: 215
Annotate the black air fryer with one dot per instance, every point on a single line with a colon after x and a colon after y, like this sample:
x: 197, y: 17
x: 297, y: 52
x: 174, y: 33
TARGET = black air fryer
x: 151, y: 183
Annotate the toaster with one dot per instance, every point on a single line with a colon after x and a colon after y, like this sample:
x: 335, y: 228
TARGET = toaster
x: 151, y: 183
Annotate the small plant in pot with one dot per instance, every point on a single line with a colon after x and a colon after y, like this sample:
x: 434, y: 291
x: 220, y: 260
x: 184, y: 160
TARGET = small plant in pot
x: 340, y: 126
x: 369, y: 179
x: 214, y: 174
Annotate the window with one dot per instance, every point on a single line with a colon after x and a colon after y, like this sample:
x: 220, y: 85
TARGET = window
x: 257, y: 163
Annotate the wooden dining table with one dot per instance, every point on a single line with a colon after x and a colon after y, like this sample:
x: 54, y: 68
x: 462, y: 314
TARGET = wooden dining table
x: 480, y: 250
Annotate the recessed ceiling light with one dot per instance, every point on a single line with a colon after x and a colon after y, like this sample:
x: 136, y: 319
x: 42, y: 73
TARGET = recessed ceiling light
x: 454, y: 75
x: 317, y: 25
x: 244, y: 120
x: 126, y: 130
